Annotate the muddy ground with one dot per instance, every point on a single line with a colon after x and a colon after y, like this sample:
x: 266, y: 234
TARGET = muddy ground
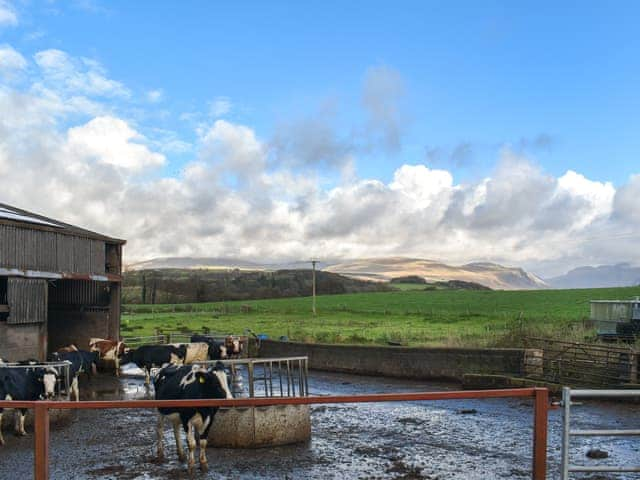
x: 417, y: 440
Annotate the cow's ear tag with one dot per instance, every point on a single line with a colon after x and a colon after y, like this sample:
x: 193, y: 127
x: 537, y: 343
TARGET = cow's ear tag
x: 202, y: 380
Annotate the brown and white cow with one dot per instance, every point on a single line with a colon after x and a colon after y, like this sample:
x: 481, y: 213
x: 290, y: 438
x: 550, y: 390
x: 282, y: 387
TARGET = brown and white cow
x: 234, y: 346
x: 109, y: 350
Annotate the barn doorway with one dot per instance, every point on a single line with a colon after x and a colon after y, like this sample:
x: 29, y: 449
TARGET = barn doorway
x: 78, y: 310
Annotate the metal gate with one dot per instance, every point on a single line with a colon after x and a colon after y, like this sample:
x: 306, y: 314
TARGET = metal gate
x: 584, y: 364
x: 567, y: 432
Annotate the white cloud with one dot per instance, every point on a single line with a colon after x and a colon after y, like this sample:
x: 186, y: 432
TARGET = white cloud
x: 8, y: 15
x: 112, y: 141
x: 154, y: 96
x: 77, y: 76
x: 11, y: 61
x: 65, y: 151
x: 221, y: 106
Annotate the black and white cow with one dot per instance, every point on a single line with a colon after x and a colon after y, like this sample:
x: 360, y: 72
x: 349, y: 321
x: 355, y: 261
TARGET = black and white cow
x: 190, y: 382
x: 80, y: 361
x: 147, y: 357
x: 217, y: 351
x: 26, y: 384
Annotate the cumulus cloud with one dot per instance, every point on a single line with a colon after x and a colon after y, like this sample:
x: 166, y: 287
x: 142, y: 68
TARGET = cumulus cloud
x: 100, y: 172
x: 112, y: 141
x: 8, y: 15
x: 11, y: 62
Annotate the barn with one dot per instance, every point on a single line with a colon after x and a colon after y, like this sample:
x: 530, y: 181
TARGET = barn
x: 59, y: 284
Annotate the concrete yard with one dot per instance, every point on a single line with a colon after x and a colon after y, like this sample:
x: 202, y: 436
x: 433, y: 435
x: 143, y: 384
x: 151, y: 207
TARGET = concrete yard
x: 417, y: 440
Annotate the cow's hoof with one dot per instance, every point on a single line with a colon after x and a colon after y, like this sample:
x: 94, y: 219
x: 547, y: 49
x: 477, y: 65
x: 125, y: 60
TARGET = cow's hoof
x: 182, y: 457
x: 21, y: 434
x: 204, y: 466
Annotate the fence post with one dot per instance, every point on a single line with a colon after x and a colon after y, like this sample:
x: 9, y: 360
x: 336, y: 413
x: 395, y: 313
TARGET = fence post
x: 540, y: 418
x: 41, y: 455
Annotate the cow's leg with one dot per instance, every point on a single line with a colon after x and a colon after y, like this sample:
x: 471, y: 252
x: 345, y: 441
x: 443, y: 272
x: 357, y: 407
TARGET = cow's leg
x: 160, y: 431
x: 203, y: 453
x: 177, y: 426
x: 1, y: 437
x: 117, y: 364
x: 19, y: 415
x: 75, y: 389
x: 191, y: 442
x: 147, y: 376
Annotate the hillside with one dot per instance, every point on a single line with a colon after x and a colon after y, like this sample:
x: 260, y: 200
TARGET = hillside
x: 187, y: 286
x: 491, y: 275
x: 620, y: 275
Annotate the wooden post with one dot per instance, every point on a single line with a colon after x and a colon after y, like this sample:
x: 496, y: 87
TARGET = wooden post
x: 41, y: 458
x: 313, y: 263
x: 540, y: 419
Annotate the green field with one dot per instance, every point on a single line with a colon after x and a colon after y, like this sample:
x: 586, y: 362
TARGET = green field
x: 440, y: 317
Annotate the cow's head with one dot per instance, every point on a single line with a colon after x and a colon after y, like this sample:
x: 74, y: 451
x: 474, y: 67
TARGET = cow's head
x: 234, y: 346
x: 127, y: 357
x: 48, y: 377
x: 218, y: 380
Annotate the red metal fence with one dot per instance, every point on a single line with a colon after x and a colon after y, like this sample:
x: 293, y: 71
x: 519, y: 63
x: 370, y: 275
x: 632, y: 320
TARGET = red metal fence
x: 540, y: 414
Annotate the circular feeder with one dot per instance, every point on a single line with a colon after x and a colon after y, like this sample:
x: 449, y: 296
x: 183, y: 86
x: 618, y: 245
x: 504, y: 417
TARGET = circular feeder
x: 255, y: 427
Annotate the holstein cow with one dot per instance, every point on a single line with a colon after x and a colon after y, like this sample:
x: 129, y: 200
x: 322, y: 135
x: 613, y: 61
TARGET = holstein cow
x: 195, y: 352
x: 80, y: 361
x: 27, y: 384
x: 109, y: 350
x: 147, y: 357
x: 190, y: 382
x: 217, y: 351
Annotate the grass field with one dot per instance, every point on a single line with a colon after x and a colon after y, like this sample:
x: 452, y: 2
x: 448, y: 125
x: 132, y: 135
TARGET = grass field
x: 441, y: 317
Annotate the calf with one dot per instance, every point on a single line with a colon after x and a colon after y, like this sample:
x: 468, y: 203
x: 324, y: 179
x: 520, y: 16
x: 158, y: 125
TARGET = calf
x: 217, y: 351
x: 27, y: 384
x: 80, y: 361
x: 147, y: 357
x: 233, y: 346
x: 190, y: 382
x: 109, y: 350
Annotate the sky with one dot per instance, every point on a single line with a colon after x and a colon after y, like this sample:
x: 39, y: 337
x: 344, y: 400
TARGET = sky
x: 456, y: 131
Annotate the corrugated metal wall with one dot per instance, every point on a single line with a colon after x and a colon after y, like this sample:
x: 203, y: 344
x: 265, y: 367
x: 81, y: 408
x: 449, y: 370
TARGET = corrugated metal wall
x: 49, y: 251
x: 78, y: 293
x: 27, y: 298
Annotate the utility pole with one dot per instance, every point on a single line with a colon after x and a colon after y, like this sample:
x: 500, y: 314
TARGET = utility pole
x: 313, y: 264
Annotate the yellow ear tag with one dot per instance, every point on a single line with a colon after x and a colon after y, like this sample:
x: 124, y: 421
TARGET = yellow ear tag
x: 201, y: 379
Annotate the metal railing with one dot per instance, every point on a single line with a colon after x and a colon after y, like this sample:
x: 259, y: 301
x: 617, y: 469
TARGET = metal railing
x: 268, y: 377
x: 567, y: 394
x: 61, y: 367
x: 540, y: 414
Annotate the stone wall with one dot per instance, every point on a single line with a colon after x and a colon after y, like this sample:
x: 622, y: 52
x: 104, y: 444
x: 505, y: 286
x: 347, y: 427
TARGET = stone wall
x: 418, y: 363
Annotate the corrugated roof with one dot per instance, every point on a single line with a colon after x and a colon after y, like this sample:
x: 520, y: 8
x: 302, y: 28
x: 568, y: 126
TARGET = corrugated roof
x: 13, y: 215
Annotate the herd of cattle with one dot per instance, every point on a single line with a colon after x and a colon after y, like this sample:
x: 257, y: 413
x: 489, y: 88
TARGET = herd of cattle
x: 181, y: 376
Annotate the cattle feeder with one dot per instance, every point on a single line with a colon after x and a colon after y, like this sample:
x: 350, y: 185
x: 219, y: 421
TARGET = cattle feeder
x: 269, y: 425
x: 59, y: 284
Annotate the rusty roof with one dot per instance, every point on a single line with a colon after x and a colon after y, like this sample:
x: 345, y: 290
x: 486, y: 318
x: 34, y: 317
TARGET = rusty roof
x: 10, y: 215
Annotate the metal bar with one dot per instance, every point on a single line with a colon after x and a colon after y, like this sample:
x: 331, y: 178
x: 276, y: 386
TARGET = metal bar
x: 604, y: 393
x: 41, y: 441
x: 604, y: 433
x: 280, y: 377
x: 566, y: 415
x: 259, y: 402
x: 540, y: 420
x: 604, y: 468
x: 251, y: 379
x: 306, y: 376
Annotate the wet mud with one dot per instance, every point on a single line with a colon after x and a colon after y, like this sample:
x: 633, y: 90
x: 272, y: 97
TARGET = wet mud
x: 466, y: 439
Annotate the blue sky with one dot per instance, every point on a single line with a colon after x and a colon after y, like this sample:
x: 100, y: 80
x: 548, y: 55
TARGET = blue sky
x: 486, y: 73
x: 342, y: 121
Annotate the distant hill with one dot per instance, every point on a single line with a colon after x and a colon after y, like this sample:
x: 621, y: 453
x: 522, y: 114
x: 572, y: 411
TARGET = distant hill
x: 491, y: 275
x: 620, y: 275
